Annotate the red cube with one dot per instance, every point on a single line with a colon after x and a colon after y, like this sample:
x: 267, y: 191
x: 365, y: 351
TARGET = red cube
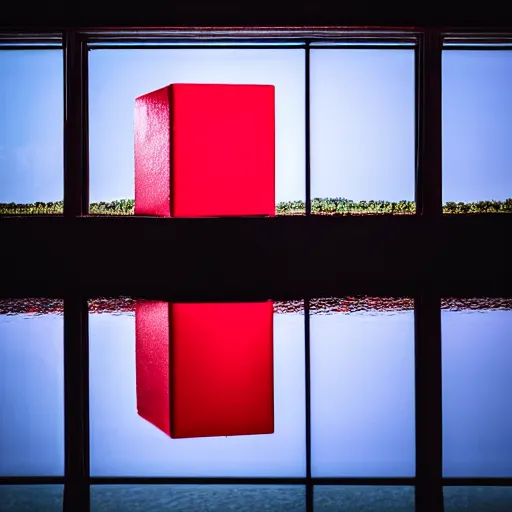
x: 205, y: 150
x: 205, y: 370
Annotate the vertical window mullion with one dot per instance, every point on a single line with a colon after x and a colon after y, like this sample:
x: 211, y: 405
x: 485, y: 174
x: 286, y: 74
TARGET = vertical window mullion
x: 76, y: 172
x: 429, y: 124
x: 427, y: 312
x: 307, y: 54
x: 307, y: 344
x: 307, y: 361
x: 427, y: 304
x: 428, y: 386
x: 76, y: 366
x: 76, y: 403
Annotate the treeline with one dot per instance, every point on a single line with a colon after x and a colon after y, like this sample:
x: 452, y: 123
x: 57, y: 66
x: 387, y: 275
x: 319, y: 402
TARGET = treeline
x: 340, y: 205
x: 118, y: 207
x: 329, y: 206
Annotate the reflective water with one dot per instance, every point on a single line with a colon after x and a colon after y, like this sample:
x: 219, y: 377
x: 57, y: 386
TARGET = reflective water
x: 362, y: 394
x: 207, y: 498
x: 477, y: 499
x: 29, y: 498
x: 123, y: 443
x: 363, y: 498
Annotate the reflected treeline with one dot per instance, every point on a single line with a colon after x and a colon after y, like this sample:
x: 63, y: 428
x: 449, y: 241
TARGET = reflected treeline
x: 362, y: 304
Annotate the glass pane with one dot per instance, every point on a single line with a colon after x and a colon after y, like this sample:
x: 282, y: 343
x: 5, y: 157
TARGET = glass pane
x: 31, y: 131
x: 27, y: 498
x: 362, y: 131
x: 173, y: 393
x: 477, y: 154
x: 118, y: 77
x: 477, y: 381
x: 207, y: 498
x: 362, y: 387
x: 363, y: 498
x: 31, y: 388
x: 477, y: 499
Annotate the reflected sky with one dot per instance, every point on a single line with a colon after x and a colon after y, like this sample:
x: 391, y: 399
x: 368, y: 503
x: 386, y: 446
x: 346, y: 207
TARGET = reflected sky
x: 477, y: 382
x: 31, y: 395
x: 123, y: 443
x: 362, y: 395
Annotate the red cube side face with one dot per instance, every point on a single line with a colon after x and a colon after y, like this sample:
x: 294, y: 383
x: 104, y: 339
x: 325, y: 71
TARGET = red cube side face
x: 205, y: 370
x: 222, y: 378
x: 152, y: 152
x: 214, y: 157
x: 152, y: 363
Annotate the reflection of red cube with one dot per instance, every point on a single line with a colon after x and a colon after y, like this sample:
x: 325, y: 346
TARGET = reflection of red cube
x: 205, y: 370
x: 205, y: 150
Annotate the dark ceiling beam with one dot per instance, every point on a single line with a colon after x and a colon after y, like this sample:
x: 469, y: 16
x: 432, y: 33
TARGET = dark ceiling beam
x: 256, y: 258
x: 202, y: 13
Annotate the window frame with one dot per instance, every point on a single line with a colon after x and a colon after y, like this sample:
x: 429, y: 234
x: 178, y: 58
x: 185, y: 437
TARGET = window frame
x: 428, y: 481
x: 237, y: 39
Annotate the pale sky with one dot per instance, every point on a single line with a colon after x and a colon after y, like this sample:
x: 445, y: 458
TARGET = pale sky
x: 362, y: 119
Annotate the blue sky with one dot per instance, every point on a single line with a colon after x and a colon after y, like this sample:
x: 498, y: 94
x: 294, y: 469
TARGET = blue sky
x: 362, y: 119
x: 31, y: 126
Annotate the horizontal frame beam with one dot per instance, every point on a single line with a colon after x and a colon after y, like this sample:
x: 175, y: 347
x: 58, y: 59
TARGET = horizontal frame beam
x: 32, y: 480
x: 391, y: 481
x: 257, y: 258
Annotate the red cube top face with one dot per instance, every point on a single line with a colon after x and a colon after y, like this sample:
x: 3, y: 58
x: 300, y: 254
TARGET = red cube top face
x: 204, y: 150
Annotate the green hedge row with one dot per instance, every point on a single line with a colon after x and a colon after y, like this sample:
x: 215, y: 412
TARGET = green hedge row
x: 335, y: 205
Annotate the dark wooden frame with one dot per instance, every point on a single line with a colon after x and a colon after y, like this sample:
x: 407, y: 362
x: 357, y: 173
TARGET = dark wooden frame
x: 254, y: 259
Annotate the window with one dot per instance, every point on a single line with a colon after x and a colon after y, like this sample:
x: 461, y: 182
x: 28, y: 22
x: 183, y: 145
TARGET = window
x: 31, y: 134
x: 362, y: 130
x: 117, y: 77
x: 371, y: 365
x: 476, y: 108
